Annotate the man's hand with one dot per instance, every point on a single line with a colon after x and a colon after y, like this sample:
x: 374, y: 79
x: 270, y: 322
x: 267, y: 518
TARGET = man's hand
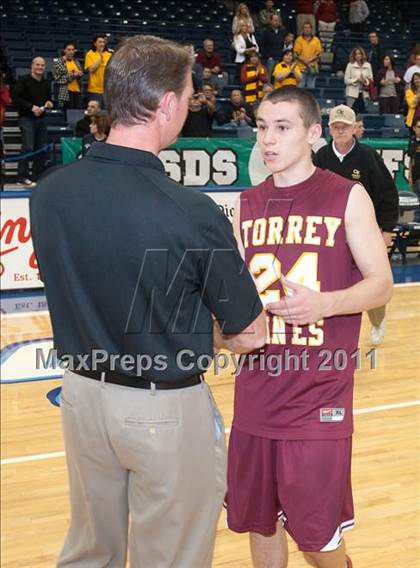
x: 49, y: 104
x: 215, y: 70
x: 301, y: 306
x: 37, y: 110
x: 387, y: 237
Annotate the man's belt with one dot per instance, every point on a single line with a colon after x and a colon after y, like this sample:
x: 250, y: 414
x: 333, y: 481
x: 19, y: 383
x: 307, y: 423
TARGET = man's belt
x: 138, y: 382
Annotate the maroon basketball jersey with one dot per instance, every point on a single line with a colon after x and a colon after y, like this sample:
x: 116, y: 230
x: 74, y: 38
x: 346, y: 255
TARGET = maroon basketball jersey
x: 300, y: 385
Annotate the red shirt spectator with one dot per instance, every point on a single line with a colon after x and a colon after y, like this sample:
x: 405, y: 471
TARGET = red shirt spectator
x: 209, y: 58
x: 305, y: 6
x: 327, y: 12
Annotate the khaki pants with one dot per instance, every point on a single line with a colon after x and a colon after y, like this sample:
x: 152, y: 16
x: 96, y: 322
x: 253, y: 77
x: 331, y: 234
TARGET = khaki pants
x: 156, y: 457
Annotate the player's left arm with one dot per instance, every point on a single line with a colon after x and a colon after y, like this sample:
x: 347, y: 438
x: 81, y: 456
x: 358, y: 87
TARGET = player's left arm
x: 303, y: 305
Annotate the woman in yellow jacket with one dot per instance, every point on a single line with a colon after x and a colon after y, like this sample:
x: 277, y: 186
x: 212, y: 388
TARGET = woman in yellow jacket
x: 412, y: 96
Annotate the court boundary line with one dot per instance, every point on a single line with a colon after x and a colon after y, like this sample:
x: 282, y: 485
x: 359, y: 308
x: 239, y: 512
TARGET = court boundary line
x: 60, y: 454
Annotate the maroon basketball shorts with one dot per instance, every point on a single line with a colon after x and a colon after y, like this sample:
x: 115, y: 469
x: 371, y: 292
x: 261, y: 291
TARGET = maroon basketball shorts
x: 306, y: 484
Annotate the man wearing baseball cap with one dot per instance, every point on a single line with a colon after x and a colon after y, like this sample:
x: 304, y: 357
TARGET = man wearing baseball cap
x: 345, y: 156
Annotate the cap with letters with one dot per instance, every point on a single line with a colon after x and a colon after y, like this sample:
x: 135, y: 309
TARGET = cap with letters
x: 342, y: 113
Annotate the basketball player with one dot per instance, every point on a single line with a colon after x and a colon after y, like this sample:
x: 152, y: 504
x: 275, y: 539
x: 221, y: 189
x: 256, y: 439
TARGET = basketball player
x: 311, y: 240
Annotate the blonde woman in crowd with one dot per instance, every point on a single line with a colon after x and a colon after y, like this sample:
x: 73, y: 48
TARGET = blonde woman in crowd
x: 242, y: 14
x: 357, y: 78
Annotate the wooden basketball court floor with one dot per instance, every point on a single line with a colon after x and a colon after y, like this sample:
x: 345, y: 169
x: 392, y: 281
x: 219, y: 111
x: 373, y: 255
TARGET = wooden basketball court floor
x: 386, y: 463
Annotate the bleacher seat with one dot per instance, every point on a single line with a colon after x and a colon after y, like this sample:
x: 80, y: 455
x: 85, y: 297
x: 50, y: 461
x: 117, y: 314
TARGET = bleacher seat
x: 373, y: 120
x: 55, y: 117
x: 394, y: 120
x: 73, y: 116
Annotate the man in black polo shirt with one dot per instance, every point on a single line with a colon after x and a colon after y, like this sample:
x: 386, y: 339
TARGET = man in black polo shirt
x: 344, y: 155
x: 31, y: 96
x: 143, y: 280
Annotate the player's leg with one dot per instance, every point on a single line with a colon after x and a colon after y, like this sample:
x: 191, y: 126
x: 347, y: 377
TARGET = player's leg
x: 314, y: 481
x: 252, y: 503
x: 178, y: 483
x: 269, y: 551
x: 98, y: 482
x: 334, y: 559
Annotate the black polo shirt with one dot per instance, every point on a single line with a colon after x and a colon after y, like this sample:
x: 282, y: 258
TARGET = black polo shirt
x: 135, y: 264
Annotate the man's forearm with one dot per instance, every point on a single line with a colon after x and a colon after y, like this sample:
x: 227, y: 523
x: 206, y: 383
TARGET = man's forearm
x: 243, y: 342
x: 370, y: 293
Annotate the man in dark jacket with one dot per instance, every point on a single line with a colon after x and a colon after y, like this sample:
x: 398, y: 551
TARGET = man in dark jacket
x: 345, y: 156
x: 375, y: 54
x: 83, y: 125
x: 32, y: 96
x: 271, y: 44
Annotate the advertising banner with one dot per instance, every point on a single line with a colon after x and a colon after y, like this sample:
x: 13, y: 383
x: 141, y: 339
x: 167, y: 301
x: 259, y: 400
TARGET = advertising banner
x: 18, y: 266
x: 237, y: 162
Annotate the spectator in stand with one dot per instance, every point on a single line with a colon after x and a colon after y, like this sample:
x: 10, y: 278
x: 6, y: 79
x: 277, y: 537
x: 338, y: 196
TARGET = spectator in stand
x: 209, y: 58
x: 358, y: 14
x: 414, y: 166
x: 289, y: 41
x: 96, y: 60
x: 327, y: 20
x: 99, y: 129
x: 106, y: 38
x: 68, y: 76
x: 242, y: 15
x: 412, y: 57
x: 412, y: 97
x: 375, y: 54
x: 307, y: 51
x: 389, y: 80
x: 32, y: 96
x: 244, y: 43
x: 83, y: 125
x: 272, y: 43
x: 199, y: 118
x: 345, y: 156
x: 237, y: 112
x: 253, y: 77
x: 408, y: 75
x: 305, y: 13
x: 359, y: 128
x: 210, y: 95
x: 209, y: 79
x: 266, y: 13
x: 287, y: 72
x: 356, y: 78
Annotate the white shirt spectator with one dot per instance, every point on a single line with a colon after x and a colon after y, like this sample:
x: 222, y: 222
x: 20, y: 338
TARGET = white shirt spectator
x: 240, y: 45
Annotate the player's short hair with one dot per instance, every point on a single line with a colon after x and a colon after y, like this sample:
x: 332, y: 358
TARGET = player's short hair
x: 309, y: 108
x: 138, y: 75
